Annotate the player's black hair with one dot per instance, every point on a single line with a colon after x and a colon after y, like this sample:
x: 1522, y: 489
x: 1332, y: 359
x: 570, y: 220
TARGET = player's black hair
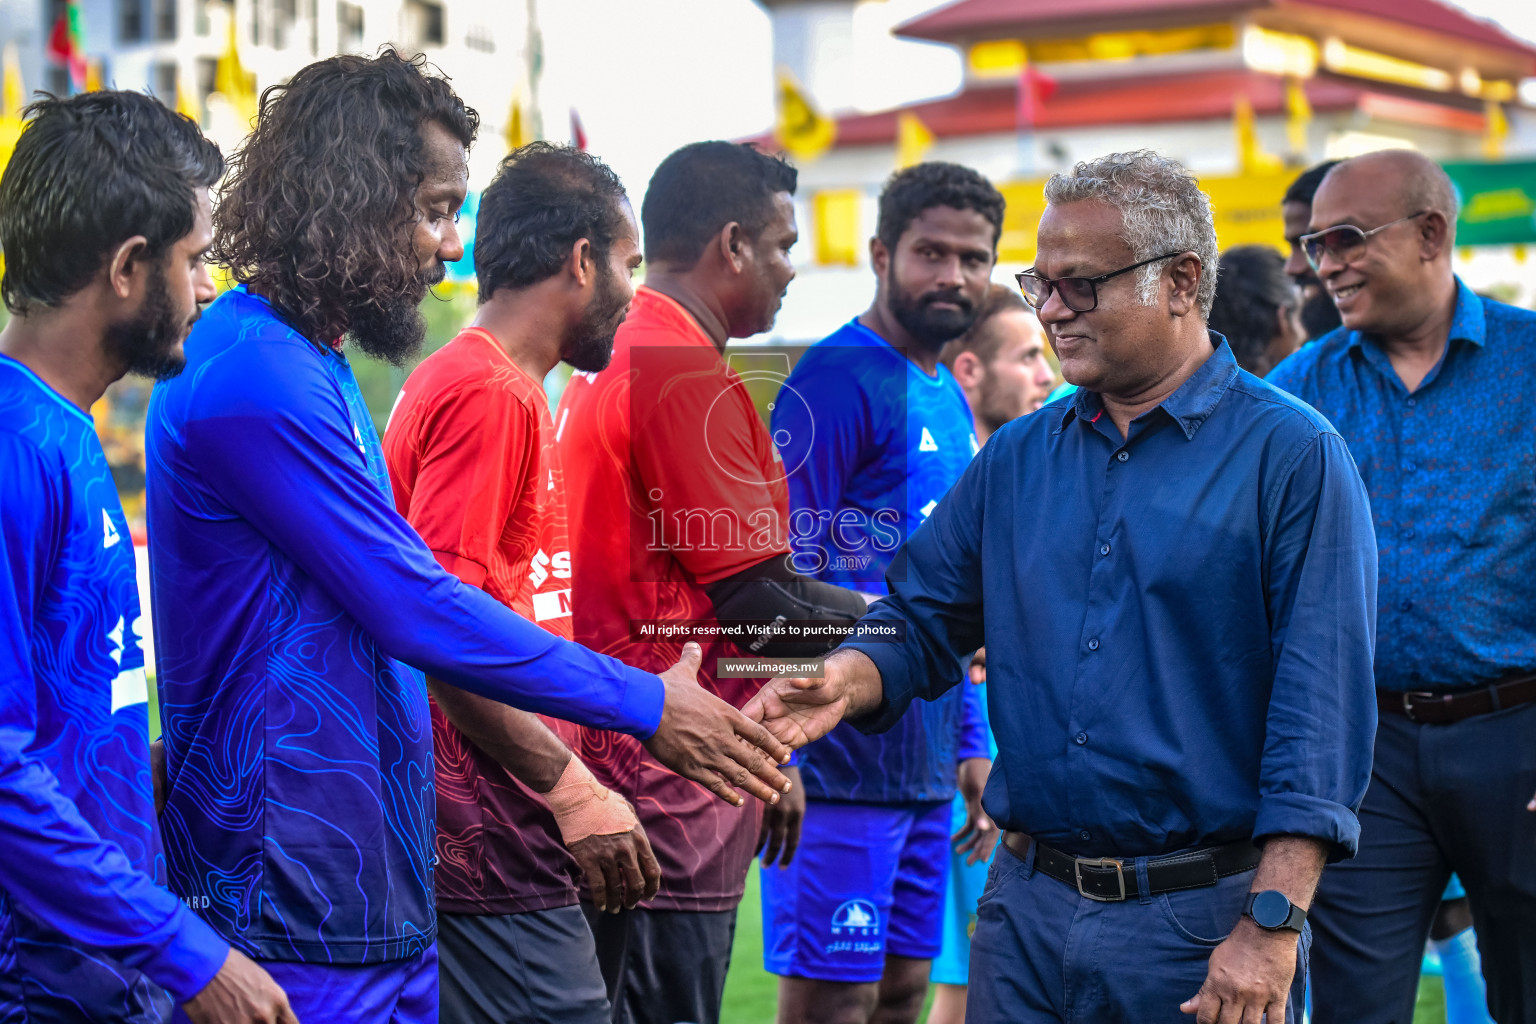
x: 317, y: 209
x: 910, y: 191
x: 543, y: 200
x: 89, y: 173
x: 1251, y: 289
x: 700, y: 189
x: 1306, y: 184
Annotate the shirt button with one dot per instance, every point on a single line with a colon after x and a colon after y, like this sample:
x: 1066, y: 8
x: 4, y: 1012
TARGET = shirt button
x: 1085, y: 835
x: 1409, y: 467
x: 1103, y: 549
x: 1093, y: 644
x: 1081, y: 738
x: 1123, y: 456
x: 1406, y: 606
x: 1412, y: 402
x: 1410, y: 533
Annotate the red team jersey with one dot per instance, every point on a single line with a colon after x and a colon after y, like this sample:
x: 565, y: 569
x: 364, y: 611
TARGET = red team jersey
x: 471, y: 455
x: 674, y: 484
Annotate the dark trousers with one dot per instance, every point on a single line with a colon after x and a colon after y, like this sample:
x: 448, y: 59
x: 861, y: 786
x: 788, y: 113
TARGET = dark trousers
x: 664, y: 966
x: 1442, y: 798
x: 538, y: 967
x: 1042, y: 954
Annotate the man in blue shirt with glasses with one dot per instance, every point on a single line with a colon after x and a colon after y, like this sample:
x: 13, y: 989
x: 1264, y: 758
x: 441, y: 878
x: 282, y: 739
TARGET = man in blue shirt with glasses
x: 1179, y: 669
x: 1432, y: 388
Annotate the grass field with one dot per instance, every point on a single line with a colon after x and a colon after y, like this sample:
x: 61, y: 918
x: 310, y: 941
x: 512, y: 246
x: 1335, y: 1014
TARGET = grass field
x: 751, y: 992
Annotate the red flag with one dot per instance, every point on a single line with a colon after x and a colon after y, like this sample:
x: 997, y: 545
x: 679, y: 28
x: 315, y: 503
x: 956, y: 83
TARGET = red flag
x: 1035, y: 88
x: 64, y: 43
x: 578, y: 133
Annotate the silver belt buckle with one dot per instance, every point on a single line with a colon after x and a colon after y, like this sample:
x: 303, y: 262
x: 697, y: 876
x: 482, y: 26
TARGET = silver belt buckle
x: 1099, y: 862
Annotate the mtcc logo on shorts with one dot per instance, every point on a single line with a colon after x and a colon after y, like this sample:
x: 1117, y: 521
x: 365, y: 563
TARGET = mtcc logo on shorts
x: 856, y: 917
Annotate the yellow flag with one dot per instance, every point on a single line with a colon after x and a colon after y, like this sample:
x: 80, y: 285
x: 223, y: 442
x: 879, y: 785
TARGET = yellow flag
x: 1298, y: 114
x: 801, y: 128
x: 1493, y: 136
x: 233, y: 82
x: 1251, y: 157
x: 15, y: 94
x: 913, y: 140
x: 838, y: 239
x: 92, y: 75
x: 516, y: 132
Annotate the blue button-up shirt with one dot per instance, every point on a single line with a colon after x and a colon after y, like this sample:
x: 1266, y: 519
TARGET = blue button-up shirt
x: 1179, y: 624
x: 1451, y: 470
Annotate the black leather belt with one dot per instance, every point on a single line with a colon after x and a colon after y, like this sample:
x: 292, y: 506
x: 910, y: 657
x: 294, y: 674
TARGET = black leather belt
x: 1442, y: 707
x: 1113, y: 879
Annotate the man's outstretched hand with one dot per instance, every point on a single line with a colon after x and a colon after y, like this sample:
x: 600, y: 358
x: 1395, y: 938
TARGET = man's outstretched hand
x: 798, y: 711
x: 703, y: 738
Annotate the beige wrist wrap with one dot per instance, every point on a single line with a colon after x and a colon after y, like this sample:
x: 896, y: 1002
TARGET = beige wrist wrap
x: 585, y: 807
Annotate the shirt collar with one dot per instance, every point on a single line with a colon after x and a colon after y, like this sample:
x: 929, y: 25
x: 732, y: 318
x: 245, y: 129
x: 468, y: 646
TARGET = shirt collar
x: 1467, y: 323
x: 1189, y: 406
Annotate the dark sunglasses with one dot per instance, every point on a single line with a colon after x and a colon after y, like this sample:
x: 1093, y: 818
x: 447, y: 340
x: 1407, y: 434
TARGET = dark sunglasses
x: 1345, y: 243
x: 1079, y: 294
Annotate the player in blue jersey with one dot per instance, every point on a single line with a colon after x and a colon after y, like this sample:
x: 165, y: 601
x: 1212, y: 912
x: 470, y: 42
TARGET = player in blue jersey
x: 873, y: 431
x: 300, y: 818
x: 104, y: 220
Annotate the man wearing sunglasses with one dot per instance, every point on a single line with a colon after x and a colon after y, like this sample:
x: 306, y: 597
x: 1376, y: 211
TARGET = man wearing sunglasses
x: 1179, y: 668
x: 1431, y: 386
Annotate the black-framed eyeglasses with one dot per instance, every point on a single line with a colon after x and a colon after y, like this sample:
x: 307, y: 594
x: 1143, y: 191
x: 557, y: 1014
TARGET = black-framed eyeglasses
x: 1079, y: 294
x: 1344, y: 242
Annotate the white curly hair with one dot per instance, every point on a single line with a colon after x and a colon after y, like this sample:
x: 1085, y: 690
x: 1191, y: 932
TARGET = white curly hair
x: 1162, y: 207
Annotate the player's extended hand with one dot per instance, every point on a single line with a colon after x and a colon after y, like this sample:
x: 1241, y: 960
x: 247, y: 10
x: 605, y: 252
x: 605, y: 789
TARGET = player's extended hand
x: 798, y: 711
x: 703, y: 738
x: 977, y: 672
x: 1250, y: 974
x: 780, y: 834
x: 621, y: 869
x: 978, y: 836
x: 241, y: 993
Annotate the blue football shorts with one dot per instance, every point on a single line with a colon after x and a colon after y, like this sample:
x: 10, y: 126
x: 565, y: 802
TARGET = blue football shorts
x: 868, y: 880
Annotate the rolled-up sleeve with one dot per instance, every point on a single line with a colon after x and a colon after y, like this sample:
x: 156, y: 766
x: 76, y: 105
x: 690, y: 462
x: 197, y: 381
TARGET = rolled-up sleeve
x: 1321, y: 586
x: 916, y: 636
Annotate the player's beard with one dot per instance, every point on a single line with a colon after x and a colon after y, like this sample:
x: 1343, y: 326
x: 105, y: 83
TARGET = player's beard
x: 149, y: 342
x: 930, y: 327
x: 1319, y: 315
x: 393, y: 329
x: 590, y: 346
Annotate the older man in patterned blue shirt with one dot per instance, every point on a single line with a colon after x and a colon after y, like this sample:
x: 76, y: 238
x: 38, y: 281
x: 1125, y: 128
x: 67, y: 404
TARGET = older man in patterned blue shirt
x: 1434, y: 389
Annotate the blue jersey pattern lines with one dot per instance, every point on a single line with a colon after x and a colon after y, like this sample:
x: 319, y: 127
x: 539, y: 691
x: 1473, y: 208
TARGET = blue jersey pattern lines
x: 292, y: 600
x: 871, y: 443
x: 83, y: 925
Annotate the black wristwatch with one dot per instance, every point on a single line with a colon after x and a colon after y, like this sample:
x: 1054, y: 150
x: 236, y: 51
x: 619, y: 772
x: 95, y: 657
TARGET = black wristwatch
x: 1273, y: 912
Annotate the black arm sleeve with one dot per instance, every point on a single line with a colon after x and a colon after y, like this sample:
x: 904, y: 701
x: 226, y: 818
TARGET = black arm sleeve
x: 762, y: 598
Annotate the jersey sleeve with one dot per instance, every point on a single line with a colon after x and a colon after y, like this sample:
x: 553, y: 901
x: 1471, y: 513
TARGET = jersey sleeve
x: 89, y: 890
x: 314, y: 500
x: 695, y: 456
x: 471, y: 468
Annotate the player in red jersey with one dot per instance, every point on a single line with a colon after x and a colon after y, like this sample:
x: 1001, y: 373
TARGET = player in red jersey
x: 679, y: 511
x: 471, y: 455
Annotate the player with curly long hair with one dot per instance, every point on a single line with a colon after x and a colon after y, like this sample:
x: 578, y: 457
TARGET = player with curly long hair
x: 298, y: 609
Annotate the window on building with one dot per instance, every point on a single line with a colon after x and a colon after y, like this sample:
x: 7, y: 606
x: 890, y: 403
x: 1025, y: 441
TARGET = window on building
x: 284, y: 14
x: 423, y: 23
x: 207, y: 75
x: 130, y: 21
x: 349, y: 26
x: 479, y: 38
x: 164, y: 18
x: 162, y: 82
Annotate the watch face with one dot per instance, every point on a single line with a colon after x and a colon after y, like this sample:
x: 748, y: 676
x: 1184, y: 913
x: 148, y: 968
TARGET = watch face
x: 1270, y: 909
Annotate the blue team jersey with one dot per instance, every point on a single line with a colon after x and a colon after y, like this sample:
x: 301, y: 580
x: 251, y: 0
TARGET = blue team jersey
x: 293, y: 598
x: 870, y: 444
x: 82, y: 919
